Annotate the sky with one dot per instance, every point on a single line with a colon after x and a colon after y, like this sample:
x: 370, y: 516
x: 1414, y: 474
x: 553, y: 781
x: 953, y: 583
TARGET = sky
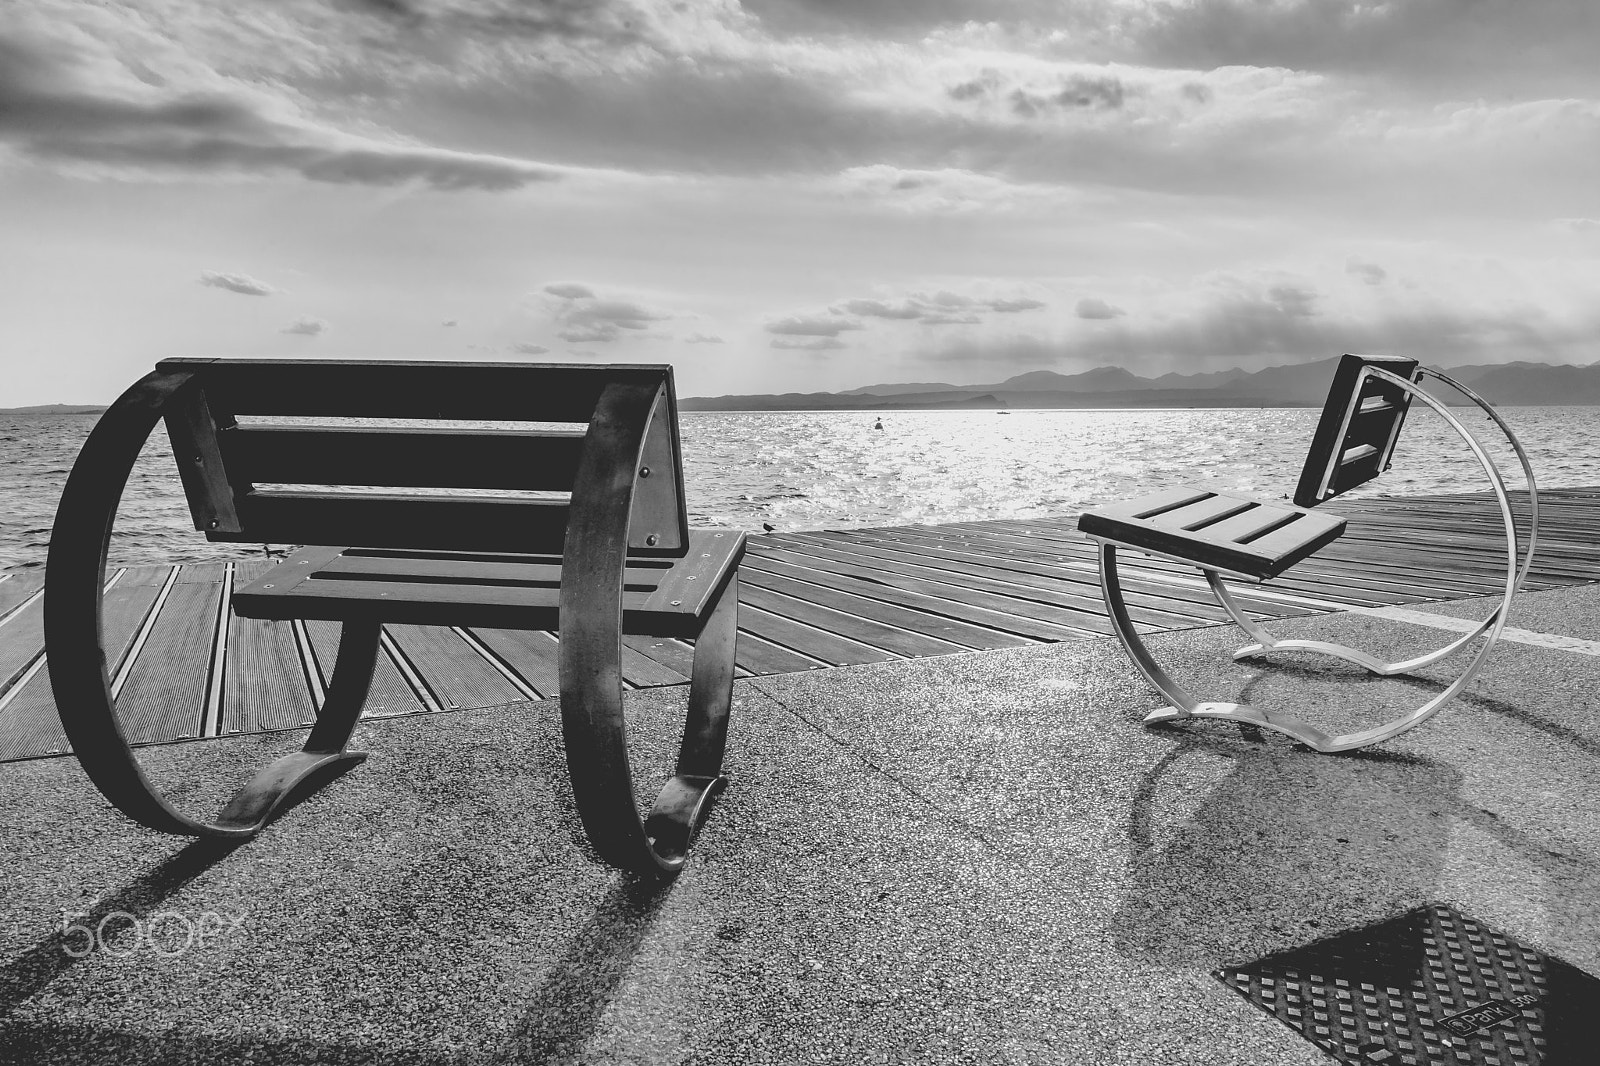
x: 795, y: 195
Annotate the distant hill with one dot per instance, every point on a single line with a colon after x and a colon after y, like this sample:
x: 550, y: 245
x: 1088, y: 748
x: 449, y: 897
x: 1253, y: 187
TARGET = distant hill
x: 1290, y: 385
x: 53, y: 409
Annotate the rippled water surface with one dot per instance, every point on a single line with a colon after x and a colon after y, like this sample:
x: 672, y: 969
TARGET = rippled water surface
x: 828, y: 470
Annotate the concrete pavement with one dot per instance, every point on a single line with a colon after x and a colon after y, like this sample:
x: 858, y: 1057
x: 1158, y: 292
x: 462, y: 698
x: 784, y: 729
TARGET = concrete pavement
x: 972, y: 858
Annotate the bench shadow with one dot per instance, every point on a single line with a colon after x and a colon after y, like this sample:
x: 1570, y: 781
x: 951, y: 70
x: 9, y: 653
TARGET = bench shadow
x: 564, y: 1015
x: 558, y: 1022
x: 34, y: 970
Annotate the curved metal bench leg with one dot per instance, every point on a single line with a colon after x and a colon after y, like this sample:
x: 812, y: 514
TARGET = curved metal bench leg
x: 324, y: 755
x: 75, y: 650
x: 593, y: 726
x: 685, y: 798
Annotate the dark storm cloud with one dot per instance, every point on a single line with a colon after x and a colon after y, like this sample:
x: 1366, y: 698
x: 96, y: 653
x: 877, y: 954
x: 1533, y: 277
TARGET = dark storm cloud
x: 604, y: 22
x: 1253, y: 329
x: 1418, y: 40
x: 1068, y: 93
x: 55, y: 105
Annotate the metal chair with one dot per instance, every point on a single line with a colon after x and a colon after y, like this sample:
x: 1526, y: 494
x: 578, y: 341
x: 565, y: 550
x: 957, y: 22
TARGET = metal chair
x: 1227, y: 535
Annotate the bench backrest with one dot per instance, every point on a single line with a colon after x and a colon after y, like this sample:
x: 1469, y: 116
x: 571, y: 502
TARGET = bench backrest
x: 396, y: 454
x: 1355, y: 437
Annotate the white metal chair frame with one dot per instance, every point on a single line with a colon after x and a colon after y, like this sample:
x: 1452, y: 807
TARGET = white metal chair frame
x: 1183, y: 705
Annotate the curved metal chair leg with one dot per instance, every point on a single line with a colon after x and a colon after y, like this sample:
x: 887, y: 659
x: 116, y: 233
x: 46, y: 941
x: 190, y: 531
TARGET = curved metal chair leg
x: 1517, y: 567
x: 75, y: 650
x: 593, y: 726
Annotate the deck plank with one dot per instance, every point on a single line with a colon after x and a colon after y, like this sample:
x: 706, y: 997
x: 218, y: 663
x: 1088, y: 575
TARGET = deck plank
x: 164, y: 696
x: 455, y: 672
x: 389, y: 695
x: 810, y: 600
x: 265, y: 684
x: 531, y: 654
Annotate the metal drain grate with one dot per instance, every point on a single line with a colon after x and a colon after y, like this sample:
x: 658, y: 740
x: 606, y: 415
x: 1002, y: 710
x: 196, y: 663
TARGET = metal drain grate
x: 1430, y: 988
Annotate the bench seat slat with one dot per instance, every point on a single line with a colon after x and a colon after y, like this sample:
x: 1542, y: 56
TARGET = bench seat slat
x: 427, y: 589
x: 443, y: 568
x: 1235, y: 544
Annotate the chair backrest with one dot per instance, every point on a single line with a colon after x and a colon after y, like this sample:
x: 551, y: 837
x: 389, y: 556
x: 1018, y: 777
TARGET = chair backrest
x: 1355, y: 437
x: 400, y: 455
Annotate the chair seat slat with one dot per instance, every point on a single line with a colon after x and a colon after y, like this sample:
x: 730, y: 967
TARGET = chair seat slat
x: 1293, y: 533
x: 1200, y: 513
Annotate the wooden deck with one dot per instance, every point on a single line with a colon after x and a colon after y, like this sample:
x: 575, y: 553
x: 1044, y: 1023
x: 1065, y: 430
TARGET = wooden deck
x: 185, y: 667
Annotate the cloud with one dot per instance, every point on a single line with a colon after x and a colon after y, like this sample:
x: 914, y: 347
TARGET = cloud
x: 1297, y: 300
x: 942, y: 318
x: 584, y: 318
x: 449, y: 322
x: 306, y: 327
x: 600, y: 332
x: 524, y: 348
x: 810, y: 326
x: 240, y: 283
x: 702, y: 338
x: 1371, y: 273
x: 816, y: 344
x: 1580, y: 225
x: 1021, y: 303
x: 878, y: 309
x: 1093, y: 307
x: 620, y: 314
x: 70, y: 97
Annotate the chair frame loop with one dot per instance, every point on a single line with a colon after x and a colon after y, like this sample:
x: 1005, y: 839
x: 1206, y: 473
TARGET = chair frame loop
x: 1518, y: 562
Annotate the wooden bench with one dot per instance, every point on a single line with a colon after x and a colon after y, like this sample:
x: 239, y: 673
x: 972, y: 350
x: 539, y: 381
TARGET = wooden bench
x: 1225, y: 534
x: 454, y: 494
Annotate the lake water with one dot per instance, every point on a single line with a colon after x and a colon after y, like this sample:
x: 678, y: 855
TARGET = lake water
x: 829, y: 470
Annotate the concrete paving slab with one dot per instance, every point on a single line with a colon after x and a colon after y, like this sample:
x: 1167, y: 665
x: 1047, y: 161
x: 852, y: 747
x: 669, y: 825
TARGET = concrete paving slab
x: 975, y: 858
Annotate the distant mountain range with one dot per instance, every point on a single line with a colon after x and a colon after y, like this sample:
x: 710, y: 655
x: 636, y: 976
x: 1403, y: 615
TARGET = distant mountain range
x: 1299, y: 385
x: 54, y: 409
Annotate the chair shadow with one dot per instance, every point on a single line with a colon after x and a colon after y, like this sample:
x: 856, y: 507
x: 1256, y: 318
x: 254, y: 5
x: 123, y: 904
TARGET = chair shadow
x: 1240, y: 867
x: 1391, y: 813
